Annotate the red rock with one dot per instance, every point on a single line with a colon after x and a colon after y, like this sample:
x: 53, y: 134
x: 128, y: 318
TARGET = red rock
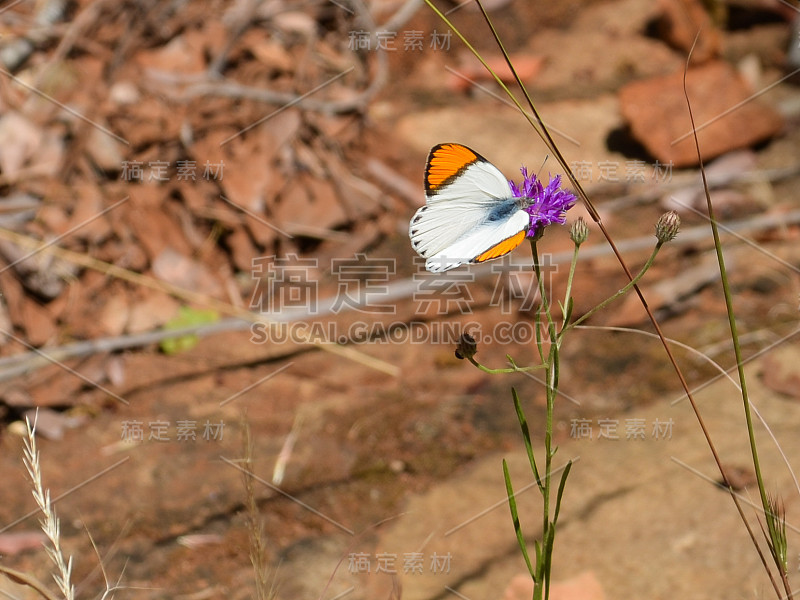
x: 657, y: 113
x: 14, y: 543
x: 780, y: 373
x: 583, y: 587
x: 527, y: 67
x: 680, y: 22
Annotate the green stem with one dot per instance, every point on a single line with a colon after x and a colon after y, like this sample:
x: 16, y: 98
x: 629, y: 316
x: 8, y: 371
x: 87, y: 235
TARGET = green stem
x: 568, y: 293
x: 542, y: 585
x: 621, y: 292
x: 737, y: 350
x: 773, y: 537
x: 512, y: 369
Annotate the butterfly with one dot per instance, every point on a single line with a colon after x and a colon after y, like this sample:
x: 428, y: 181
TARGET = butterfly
x: 471, y: 213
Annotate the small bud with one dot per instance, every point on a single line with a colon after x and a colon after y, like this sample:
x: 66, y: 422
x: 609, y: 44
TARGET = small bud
x: 579, y: 231
x: 467, y: 347
x: 667, y: 227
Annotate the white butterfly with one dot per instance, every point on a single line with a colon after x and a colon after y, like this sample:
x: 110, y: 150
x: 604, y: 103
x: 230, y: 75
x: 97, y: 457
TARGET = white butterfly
x: 470, y: 213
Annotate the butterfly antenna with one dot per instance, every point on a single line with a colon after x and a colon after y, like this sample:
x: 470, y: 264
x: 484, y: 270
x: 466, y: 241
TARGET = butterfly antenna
x: 544, y: 162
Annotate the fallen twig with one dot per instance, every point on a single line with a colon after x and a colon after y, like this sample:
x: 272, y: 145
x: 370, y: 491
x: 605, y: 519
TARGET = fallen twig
x: 184, y: 294
x: 20, y: 364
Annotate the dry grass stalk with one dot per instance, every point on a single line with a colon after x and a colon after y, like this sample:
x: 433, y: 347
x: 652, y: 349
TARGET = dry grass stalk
x: 50, y: 523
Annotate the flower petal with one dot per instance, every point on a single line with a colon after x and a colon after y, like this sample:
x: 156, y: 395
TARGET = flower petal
x: 547, y: 205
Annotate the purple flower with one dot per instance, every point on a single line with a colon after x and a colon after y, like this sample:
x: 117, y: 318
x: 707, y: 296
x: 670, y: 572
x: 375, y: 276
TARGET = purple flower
x: 546, y: 205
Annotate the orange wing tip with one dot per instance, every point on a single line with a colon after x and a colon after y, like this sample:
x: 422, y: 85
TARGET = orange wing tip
x: 501, y: 249
x: 445, y: 162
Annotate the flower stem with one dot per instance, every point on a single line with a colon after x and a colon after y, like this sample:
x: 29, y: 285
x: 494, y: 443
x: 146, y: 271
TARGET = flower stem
x: 621, y: 292
x: 512, y: 369
x: 568, y: 294
x: 542, y: 581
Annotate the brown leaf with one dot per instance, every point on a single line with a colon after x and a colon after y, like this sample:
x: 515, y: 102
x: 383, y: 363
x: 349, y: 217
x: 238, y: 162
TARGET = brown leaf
x: 87, y: 205
x: 106, y: 152
x: 186, y: 273
x: 38, y: 324
x: 151, y: 313
x: 242, y: 249
x: 19, y: 141
x: 153, y: 225
x: 183, y: 54
x: 308, y: 202
x: 53, y: 386
x: 115, y: 314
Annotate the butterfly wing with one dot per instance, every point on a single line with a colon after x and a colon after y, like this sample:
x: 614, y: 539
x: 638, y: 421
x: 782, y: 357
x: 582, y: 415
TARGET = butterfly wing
x: 469, y: 215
